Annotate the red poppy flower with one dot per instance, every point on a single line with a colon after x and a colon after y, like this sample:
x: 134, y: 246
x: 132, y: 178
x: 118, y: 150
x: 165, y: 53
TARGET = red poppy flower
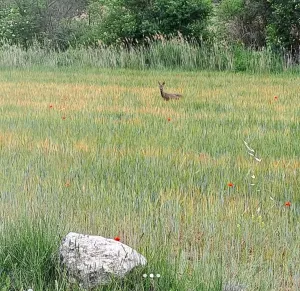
x: 230, y: 184
x: 117, y: 238
x: 63, y: 117
x: 169, y: 119
x: 275, y: 97
x: 287, y: 203
x: 50, y: 106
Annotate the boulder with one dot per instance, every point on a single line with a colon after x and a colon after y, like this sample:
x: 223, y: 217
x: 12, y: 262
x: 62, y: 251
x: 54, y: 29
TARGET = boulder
x: 95, y: 260
x: 233, y: 287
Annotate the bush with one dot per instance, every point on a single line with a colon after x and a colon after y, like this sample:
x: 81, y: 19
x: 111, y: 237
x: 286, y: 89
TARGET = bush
x: 20, y: 25
x: 123, y: 21
x: 283, y: 30
x: 244, y: 21
x: 23, y: 22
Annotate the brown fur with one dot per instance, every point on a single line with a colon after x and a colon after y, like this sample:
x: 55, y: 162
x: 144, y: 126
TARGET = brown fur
x: 167, y: 96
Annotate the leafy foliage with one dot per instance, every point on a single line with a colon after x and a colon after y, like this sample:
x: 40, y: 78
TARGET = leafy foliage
x: 244, y: 21
x: 25, y: 21
x: 61, y: 24
x: 21, y: 24
x: 284, y: 25
x: 135, y: 20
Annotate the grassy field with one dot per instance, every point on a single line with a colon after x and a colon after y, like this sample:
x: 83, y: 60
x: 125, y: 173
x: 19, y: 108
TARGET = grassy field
x: 100, y: 152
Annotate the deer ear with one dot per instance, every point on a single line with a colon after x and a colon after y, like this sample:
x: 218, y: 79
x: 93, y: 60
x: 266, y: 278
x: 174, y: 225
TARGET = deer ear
x: 163, y: 83
x: 159, y: 83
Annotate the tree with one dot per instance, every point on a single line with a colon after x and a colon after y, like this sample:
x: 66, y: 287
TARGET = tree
x: 24, y: 21
x: 284, y: 25
x: 135, y: 20
x: 244, y: 21
x: 20, y: 24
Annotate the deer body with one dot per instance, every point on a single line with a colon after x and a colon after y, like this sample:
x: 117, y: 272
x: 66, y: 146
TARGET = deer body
x: 167, y: 96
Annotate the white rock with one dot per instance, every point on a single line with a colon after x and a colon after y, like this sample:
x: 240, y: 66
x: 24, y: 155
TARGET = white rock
x: 95, y: 260
x: 233, y: 287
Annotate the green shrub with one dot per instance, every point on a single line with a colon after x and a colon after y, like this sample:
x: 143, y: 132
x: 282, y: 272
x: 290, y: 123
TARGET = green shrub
x: 20, y: 25
x: 133, y: 21
x: 244, y: 21
x: 283, y: 27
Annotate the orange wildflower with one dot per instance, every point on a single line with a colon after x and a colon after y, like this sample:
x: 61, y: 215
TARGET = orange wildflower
x: 287, y: 204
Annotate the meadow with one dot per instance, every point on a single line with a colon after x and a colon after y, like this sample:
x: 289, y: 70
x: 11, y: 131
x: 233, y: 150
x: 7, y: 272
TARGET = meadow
x: 98, y: 151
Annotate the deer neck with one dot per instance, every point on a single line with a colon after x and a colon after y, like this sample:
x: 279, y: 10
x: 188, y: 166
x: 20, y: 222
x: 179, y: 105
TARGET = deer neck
x: 162, y: 92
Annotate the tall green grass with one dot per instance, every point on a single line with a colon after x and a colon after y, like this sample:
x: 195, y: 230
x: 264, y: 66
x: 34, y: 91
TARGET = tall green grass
x: 124, y: 162
x: 30, y: 260
x: 165, y: 54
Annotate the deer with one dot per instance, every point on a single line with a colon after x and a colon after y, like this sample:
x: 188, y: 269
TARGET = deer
x: 165, y: 95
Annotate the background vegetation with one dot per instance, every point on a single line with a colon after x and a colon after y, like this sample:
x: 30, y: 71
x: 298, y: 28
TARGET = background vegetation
x: 242, y: 27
